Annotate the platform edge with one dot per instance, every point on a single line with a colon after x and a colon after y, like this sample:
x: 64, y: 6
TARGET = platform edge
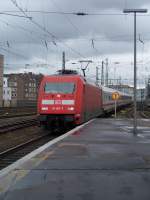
x: 34, y: 153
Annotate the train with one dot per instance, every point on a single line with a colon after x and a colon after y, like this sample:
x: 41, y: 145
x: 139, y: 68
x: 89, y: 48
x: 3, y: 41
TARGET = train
x: 69, y: 99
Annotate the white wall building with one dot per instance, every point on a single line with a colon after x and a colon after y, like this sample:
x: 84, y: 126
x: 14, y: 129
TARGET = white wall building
x: 6, y: 92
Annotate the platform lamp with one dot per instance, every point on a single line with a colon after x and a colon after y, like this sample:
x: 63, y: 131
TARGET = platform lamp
x: 135, y: 11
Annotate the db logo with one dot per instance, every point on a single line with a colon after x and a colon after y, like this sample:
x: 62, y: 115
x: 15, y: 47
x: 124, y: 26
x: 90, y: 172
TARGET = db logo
x: 58, y: 102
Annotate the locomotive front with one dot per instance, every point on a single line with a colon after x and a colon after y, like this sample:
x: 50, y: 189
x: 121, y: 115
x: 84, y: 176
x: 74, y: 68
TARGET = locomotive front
x: 57, y: 99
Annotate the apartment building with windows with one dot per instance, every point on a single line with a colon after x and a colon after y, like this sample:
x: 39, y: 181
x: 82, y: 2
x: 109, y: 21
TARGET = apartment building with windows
x: 24, y: 88
x: 1, y: 79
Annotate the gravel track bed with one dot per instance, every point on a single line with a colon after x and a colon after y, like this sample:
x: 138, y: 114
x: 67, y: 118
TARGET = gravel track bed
x: 12, y: 112
x: 17, y: 137
x: 16, y: 119
x: 129, y: 113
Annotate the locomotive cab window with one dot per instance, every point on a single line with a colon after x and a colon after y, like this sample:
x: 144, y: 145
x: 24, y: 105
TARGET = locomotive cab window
x: 63, y: 88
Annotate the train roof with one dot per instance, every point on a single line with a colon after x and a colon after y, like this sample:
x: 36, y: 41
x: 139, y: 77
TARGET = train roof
x: 86, y: 80
x: 68, y: 76
x: 73, y: 77
x: 110, y: 90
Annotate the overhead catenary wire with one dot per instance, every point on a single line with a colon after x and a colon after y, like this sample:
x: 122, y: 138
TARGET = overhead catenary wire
x: 42, y: 39
x: 23, y: 29
x: 12, y: 52
x: 31, y: 19
x: 14, y: 15
x: 120, y: 38
x: 73, y: 25
x: 53, y: 37
x: 66, y: 17
x: 96, y: 39
x: 93, y: 46
x: 76, y: 13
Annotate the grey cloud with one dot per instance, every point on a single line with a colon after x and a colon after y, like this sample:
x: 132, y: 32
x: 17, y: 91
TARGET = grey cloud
x: 112, y: 35
x: 98, y: 5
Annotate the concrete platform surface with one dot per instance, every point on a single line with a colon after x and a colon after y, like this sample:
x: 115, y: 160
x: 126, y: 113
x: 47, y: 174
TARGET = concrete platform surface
x: 99, y: 161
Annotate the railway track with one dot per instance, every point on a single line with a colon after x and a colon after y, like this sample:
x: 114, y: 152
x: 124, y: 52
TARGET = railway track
x: 143, y: 115
x: 14, y: 144
x: 17, y: 112
x: 11, y: 155
x: 129, y: 113
x: 12, y: 126
x: 5, y: 116
x: 140, y: 114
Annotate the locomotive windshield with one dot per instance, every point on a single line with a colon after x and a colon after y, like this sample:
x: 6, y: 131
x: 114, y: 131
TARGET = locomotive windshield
x: 63, y: 88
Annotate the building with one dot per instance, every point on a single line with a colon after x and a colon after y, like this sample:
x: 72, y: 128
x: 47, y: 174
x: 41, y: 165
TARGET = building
x: 6, y: 93
x: 1, y: 79
x: 24, y: 88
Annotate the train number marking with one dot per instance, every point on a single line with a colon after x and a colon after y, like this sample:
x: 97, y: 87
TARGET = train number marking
x: 58, y: 108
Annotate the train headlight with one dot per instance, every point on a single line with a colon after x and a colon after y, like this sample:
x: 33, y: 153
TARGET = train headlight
x: 71, y: 108
x: 44, y: 108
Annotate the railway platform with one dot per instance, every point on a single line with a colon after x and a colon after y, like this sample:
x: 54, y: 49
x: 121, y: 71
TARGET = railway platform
x: 99, y: 160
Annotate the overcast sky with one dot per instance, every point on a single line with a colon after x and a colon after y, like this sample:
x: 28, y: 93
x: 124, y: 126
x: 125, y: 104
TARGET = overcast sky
x: 96, y: 37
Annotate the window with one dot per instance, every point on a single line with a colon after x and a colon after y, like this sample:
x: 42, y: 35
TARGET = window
x: 64, y: 88
x: 15, y: 83
x: 14, y: 89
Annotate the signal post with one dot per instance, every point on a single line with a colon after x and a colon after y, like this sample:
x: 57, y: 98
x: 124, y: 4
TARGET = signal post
x: 115, y: 97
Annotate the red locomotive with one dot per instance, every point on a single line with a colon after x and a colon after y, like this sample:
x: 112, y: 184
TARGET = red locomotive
x: 69, y: 99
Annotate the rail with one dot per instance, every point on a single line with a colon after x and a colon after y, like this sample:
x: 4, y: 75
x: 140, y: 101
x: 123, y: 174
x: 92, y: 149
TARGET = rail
x: 7, y: 127
x: 5, y: 116
x: 10, y: 155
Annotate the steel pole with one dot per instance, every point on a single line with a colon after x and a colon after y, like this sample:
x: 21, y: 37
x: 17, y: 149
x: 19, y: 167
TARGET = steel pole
x: 135, y: 11
x: 135, y: 79
x: 115, y: 108
x: 106, y: 71
x: 63, y: 61
x: 97, y: 75
x: 102, y: 74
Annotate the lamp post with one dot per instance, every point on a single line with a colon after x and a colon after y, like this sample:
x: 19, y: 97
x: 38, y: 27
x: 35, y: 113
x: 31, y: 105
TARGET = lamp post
x: 135, y: 11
